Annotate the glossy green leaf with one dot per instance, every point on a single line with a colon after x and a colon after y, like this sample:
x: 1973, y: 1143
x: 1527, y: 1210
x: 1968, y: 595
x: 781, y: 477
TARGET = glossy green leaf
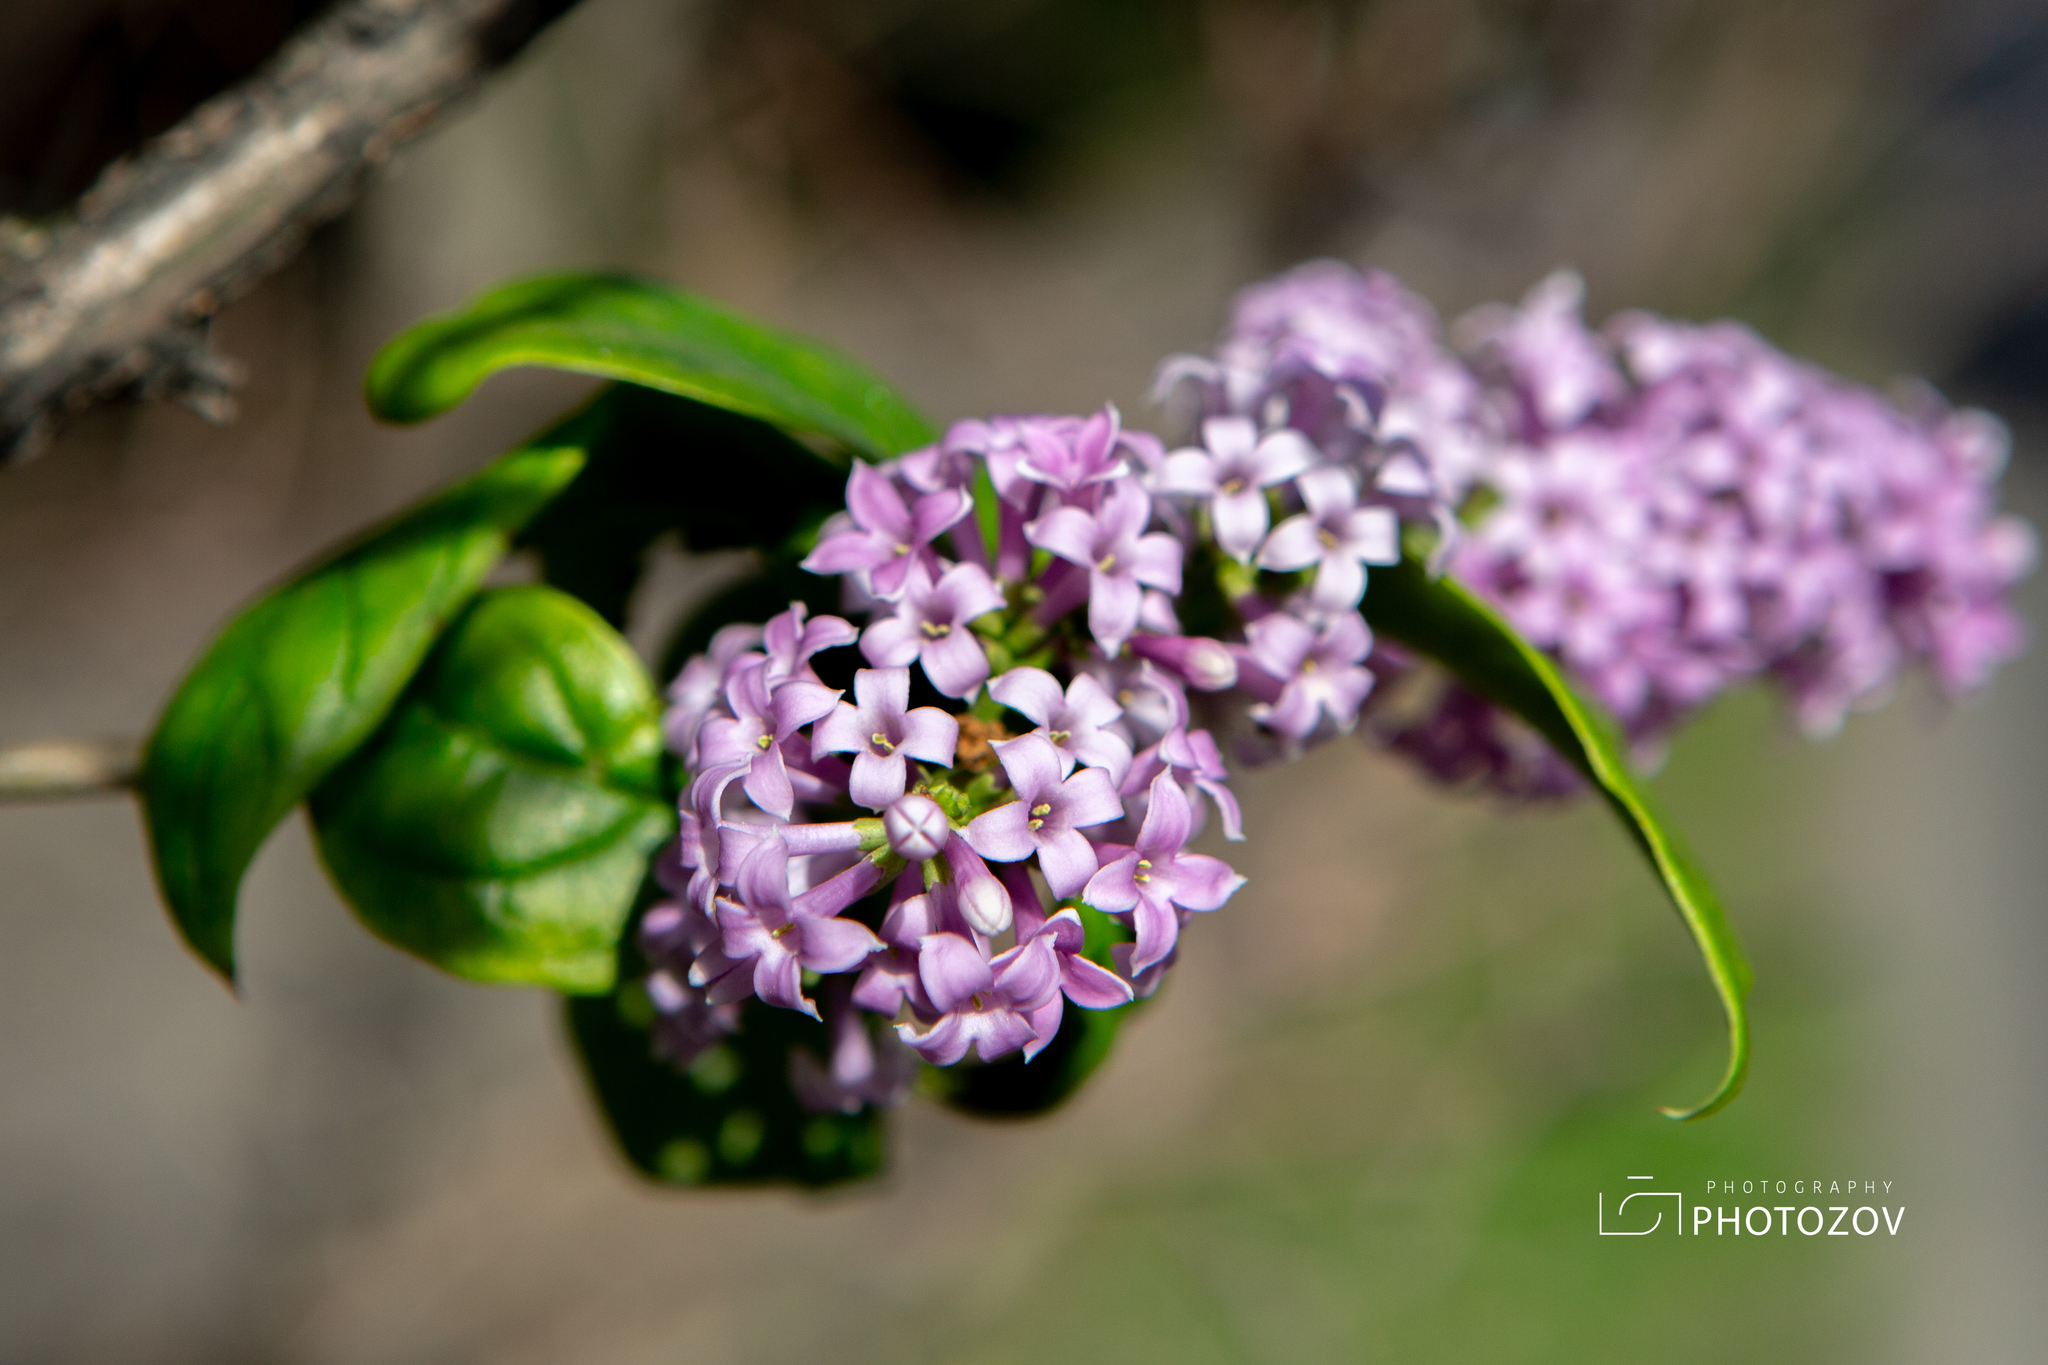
x: 644, y: 333
x: 732, y: 1118
x: 1016, y: 1088
x: 1443, y: 620
x: 500, y: 824
x: 303, y: 677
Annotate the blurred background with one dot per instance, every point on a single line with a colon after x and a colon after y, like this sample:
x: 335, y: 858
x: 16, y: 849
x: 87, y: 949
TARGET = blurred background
x: 1371, y: 1117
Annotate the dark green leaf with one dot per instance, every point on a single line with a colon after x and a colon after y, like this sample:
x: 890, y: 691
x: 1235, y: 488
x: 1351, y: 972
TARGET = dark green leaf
x: 303, y: 677
x: 659, y: 463
x: 732, y: 1119
x: 649, y: 334
x: 500, y: 824
x: 1443, y: 620
x: 1017, y: 1088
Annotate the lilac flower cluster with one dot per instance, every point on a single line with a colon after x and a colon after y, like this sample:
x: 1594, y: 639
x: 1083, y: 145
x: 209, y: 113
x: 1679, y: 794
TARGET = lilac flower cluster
x: 1682, y: 508
x: 994, y: 824
x: 1668, y: 509
x: 966, y: 868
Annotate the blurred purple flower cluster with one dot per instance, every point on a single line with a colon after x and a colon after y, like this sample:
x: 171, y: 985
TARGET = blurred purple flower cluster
x: 1676, y: 509
x: 1668, y: 509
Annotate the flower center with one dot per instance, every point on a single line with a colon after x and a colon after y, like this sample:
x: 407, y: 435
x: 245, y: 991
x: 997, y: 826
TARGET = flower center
x: 881, y: 741
x: 1038, y: 814
x: 778, y: 933
x: 902, y: 548
x: 1329, y: 540
x: 1144, y: 872
x: 1107, y: 564
x: 1308, y: 665
x: 1234, y: 484
x: 764, y: 740
x: 937, y: 630
x: 1059, y: 736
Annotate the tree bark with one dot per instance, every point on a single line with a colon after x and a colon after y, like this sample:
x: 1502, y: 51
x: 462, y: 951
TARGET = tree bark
x: 111, y: 299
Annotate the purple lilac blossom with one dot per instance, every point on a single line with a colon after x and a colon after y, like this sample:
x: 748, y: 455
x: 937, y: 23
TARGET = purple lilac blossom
x: 1336, y: 537
x: 1120, y: 559
x: 1233, y: 468
x: 891, y: 533
x: 1048, y: 815
x: 931, y: 628
x: 884, y: 734
x: 1156, y: 874
x: 1072, y: 721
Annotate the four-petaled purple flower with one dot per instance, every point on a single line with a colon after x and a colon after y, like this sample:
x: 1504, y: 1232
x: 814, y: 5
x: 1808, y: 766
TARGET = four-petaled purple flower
x: 1314, y: 673
x: 1154, y: 875
x: 930, y: 627
x: 789, y: 640
x: 1048, y: 815
x: 1071, y: 455
x: 763, y: 715
x: 768, y: 938
x: 1121, y: 561
x: 883, y: 736
x: 1071, y: 721
x: 1087, y: 984
x: 892, y: 534
x: 1233, y: 472
x: 983, y: 1004
x: 1337, y: 536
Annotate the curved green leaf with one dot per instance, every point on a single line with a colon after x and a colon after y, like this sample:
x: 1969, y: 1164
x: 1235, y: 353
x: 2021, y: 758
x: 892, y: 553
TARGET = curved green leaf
x: 1440, y: 618
x: 645, y: 333
x: 732, y: 1119
x: 499, y: 825
x: 303, y: 677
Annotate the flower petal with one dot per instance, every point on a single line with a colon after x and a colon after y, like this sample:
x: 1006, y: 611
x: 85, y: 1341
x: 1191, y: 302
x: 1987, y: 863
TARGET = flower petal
x: 1089, y: 798
x: 835, y: 944
x: 1068, y: 532
x: 1068, y: 860
x: 1114, y: 887
x: 1240, y: 520
x: 955, y: 663
x: 1092, y: 987
x: 891, y: 642
x: 1199, y: 882
x: 1031, y: 692
x: 1002, y: 834
x: 930, y: 734
x: 876, y: 780
x: 953, y: 970
x: 876, y: 504
x: 1293, y: 545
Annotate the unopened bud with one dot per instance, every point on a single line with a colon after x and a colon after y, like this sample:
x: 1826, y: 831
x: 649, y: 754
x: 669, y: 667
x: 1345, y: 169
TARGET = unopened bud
x: 1207, y: 665
x: 982, y: 898
x: 916, y: 827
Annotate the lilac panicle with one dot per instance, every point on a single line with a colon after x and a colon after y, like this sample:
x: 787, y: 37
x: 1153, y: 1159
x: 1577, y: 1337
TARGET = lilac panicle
x: 1667, y: 509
